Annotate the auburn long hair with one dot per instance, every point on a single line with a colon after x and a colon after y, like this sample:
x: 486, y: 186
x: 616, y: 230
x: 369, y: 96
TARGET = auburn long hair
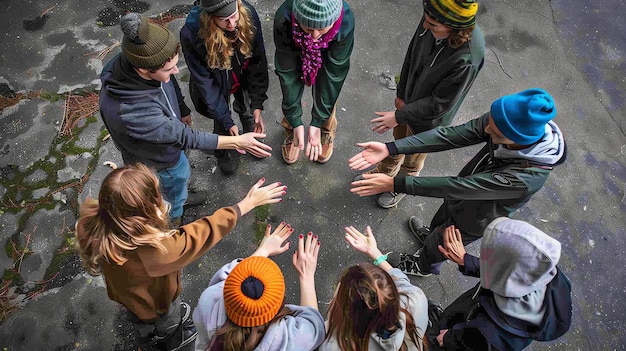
x: 367, y: 301
x: 219, y: 48
x: 459, y: 37
x: 231, y: 337
x: 129, y: 213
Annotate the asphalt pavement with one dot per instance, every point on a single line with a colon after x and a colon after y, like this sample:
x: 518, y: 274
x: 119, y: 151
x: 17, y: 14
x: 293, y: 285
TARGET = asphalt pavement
x: 51, y: 161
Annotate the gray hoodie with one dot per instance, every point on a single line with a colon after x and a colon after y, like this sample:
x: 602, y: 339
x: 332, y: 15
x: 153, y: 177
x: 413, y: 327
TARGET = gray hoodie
x: 517, y: 261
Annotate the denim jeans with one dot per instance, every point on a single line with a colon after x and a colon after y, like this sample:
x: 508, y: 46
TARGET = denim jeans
x: 173, y: 185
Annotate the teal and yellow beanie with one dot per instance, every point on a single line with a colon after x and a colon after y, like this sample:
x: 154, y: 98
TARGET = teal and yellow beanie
x: 457, y: 14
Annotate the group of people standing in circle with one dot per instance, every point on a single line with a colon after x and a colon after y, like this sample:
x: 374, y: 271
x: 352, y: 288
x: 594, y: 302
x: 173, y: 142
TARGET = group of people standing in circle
x: 132, y: 233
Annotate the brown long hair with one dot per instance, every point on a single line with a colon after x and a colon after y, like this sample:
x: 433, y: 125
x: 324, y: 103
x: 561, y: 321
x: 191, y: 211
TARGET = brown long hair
x: 218, y: 47
x: 459, y: 37
x: 367, y: 301
x: 129, y: 213
x: 231, y: 337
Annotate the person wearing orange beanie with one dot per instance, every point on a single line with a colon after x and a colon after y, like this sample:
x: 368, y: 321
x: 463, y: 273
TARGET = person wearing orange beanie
x: 243, y: 308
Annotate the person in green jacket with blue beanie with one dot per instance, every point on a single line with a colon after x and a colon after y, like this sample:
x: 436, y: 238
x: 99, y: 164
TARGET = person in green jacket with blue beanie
x: 522, y: 145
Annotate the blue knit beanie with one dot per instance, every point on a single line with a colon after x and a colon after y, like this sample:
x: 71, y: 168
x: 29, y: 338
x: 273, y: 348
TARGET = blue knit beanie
x: 522, y: 117
x: 317, y: 14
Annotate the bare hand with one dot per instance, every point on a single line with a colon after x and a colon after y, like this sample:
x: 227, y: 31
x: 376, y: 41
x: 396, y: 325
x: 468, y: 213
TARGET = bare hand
x: 372, y: 153
x: 248, y: 142
x: 314, y: 146
x: 272, y: 244
x: 186, y: 120
x: 305, y: 259
x: 385, y: 121
x: 298, y: 143
x: 365, y: 244
x: 399, y: 103
x: 373, y: 184
x: 440, y: 336
x: 260, y: 195
x: 234, y: 130
x: 259, y: 126
x: 453, y: 248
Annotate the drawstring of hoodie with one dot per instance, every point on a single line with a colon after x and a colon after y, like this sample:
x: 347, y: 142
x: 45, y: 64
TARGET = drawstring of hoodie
x: 438, y: 42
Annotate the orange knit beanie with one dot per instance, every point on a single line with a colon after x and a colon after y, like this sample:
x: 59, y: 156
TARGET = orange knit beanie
x: 254, y: 292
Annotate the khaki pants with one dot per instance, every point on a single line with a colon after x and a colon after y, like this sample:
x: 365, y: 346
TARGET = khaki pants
x: 408, y: 164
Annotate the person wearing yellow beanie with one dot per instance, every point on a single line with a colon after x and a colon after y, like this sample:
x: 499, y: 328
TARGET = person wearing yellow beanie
x: 243, y: 308
x: 441, y: 63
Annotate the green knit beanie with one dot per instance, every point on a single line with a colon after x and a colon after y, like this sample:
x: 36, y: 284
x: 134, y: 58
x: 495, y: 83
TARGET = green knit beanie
x: 317, y: 14
x: 146, y: 45
x: 457, y: 14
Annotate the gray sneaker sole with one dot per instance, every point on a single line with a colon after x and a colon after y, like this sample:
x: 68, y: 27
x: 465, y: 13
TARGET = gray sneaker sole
x: 398, y: 198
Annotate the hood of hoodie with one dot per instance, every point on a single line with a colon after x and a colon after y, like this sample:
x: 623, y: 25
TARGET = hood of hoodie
x: 120, y: 79
x: 517, y: 262
x: 550, y: 150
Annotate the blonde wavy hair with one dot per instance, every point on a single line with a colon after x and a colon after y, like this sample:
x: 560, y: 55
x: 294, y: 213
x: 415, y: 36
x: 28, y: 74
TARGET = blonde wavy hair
x: 129, y: 213
x: 219, y: 48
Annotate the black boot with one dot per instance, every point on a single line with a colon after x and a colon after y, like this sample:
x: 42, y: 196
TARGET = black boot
x: 228, y: 160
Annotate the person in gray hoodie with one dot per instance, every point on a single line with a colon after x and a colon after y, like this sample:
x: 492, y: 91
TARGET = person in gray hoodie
x: 522, y: 294
x: 522, y: 146
x: 375, y: 307
x: 243, y: 308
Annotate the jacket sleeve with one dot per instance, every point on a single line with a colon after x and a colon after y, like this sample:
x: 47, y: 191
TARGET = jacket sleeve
x: 184, y: 109
x: 203, y: 78
x: 443, y: 98
x: 286, y: 61
x: 334, y: 70
x: 257, y: 75
x: 304, y: 328
x: 146, y: 121
x: 191, y: 242
x: 480, y: 186
x: 443, y: 138
x: 471, y: 266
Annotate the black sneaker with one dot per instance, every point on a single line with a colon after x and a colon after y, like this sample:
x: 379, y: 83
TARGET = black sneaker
x: 228, y: 160
x: 185, y: 314
x: 183, y: 336
x: 390, y: 199
x: 407, y: 264
x: 419, y: 231
x: 195, y: 199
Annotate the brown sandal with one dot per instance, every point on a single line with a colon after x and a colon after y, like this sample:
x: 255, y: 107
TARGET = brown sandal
x: 286, y: 148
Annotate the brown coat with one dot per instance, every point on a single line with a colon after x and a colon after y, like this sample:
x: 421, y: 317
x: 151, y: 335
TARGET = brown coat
x: 150, y: 280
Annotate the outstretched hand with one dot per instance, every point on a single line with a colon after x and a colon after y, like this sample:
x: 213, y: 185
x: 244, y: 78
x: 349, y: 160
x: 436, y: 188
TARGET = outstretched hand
x: 372, y: 184
x: 305, y: 259
x: 372, y: 153
x: 314, y: 145
x: 365, y: 244
x: 248, y: 142
x: 260, y: 195
x: 384, y: 122
x: 272, y: 244
x: 453, y: 248
x: 259, y: 126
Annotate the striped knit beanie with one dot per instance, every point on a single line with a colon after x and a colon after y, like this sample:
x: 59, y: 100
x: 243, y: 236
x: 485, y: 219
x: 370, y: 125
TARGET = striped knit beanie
x: 254, y: 292
x: 146, y: 45
x: 317, y: 14
x: 457, y: 14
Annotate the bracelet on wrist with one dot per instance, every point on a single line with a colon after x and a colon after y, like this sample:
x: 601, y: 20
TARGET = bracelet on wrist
x: 380, y: 259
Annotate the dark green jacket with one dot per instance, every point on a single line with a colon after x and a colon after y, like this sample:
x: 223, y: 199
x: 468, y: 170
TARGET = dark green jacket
x: 330, y: 77
x: 488, y: 186
x: 436, y: 78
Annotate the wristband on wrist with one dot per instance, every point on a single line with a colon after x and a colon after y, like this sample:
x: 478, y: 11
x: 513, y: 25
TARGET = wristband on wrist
x: 380, y: 259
